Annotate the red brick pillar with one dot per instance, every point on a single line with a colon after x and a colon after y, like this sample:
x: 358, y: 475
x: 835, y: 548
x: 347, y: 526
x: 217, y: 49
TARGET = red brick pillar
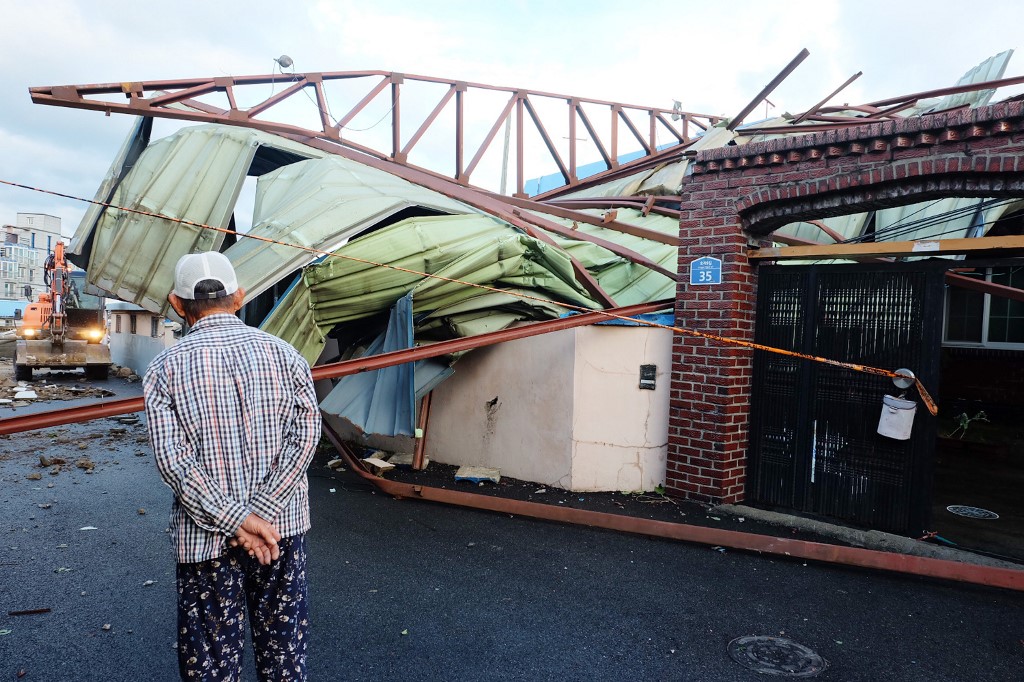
x: 710, y: 401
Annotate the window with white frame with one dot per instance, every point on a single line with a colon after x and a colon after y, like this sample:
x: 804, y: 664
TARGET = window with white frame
x: 978, y: 319
x: 154, y: 327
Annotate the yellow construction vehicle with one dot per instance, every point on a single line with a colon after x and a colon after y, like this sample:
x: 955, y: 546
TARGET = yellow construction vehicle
x: 57, y: 331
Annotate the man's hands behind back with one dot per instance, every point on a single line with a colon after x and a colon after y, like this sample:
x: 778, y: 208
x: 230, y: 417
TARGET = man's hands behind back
x: 259, y: 537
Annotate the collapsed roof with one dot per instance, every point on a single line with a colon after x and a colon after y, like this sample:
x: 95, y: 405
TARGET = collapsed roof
x: 353, y: 249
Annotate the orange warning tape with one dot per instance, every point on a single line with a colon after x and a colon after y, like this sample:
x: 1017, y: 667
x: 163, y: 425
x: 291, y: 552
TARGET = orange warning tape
x: 866, y: 369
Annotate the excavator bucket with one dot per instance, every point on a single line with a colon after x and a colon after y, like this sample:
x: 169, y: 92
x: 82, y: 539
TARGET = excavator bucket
x: 39, y: 354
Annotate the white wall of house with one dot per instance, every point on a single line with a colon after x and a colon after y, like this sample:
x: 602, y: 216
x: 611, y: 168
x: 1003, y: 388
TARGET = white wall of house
x: 562, y: 409
x: 135, y: 344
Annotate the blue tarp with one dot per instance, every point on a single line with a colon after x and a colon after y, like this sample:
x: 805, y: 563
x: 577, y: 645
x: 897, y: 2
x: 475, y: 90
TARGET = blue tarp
x: 381, y: 401
x: 384, y: 401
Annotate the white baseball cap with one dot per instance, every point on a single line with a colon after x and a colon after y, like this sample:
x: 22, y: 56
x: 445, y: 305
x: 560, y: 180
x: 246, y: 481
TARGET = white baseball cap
x: 193, y: 268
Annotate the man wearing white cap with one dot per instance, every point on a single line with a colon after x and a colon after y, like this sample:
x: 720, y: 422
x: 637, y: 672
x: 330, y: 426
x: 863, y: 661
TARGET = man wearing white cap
x: 234, y: 422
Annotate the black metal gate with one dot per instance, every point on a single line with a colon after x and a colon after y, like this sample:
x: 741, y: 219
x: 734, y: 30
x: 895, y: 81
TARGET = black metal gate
x: 814, y: 446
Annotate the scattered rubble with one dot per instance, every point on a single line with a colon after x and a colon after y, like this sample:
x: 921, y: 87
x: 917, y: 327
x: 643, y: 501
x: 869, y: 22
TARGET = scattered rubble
x: 378, y: 466
x: 478, y: 474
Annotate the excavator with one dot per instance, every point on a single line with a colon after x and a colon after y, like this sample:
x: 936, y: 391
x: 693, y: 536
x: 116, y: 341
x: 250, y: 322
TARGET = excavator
x: 58, y: 331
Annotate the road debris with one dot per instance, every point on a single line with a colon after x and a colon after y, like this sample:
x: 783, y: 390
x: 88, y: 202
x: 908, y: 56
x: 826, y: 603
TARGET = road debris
x: 28, y: 612
x: 378, y: 466
x: 478, y: 474
x: 88, y: 528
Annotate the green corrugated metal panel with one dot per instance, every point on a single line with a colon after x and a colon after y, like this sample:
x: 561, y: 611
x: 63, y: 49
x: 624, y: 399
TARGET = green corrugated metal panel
x: 626, y: 282
x: 667, y: 179
x: 849, y: 226
x: 194, y: 175
x: 297, y: 317
x: 320, y: 203
x: 471, y: 248
x: 944, y: 218
x: 992, y: 68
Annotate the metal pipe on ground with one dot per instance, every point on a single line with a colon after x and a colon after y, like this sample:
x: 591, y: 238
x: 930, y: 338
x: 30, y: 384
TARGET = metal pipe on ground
x: 750, y: 542
x: 338, y: 369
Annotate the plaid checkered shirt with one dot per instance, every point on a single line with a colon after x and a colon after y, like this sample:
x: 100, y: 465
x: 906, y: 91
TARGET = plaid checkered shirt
x: 234, y: 422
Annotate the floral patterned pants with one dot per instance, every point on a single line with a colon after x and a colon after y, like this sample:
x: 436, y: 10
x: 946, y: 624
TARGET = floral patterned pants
x: 216, y: 597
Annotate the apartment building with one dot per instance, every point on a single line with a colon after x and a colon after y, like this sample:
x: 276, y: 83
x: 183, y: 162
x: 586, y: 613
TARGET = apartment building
x: 23, y: 250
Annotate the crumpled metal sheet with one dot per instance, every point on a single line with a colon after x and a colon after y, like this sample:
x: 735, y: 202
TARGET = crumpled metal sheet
x: 321, y: 204
x: 194, y: 175
x: 458, y: 249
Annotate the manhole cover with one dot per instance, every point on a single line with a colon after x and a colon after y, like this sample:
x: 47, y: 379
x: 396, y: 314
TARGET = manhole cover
x: 971, y: 512
x: 776, y: 656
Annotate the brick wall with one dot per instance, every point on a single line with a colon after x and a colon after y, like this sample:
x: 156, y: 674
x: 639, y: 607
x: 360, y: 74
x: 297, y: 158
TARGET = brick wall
x: 737, y: 194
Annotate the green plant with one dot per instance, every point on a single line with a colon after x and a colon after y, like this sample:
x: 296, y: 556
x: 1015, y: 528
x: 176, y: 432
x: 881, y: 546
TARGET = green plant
x: 963, y: 421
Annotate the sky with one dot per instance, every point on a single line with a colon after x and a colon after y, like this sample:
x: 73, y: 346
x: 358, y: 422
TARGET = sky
x: 712, y: 57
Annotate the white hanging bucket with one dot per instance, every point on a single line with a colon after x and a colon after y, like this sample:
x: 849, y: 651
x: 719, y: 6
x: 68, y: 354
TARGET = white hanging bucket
x: 897, y: 420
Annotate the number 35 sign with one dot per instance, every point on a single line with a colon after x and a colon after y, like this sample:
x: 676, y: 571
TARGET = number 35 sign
x: 706, y: 270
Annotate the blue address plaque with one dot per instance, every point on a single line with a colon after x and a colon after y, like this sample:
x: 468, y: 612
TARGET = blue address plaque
x: 706, y: 270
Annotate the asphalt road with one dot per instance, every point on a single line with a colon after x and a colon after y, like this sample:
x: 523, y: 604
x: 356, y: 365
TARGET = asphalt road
x: 405, y: 590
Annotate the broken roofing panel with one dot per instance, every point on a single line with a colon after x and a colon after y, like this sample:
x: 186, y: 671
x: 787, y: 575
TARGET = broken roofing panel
x: 470, y: 248
x: 320, y: 204
x: 479, y: 249
x: 382, y: 401
x: 194, y: 175
x: 991, y: 69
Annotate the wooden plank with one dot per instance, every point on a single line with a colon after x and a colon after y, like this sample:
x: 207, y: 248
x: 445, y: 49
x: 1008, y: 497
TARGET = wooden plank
x: 937, y: 247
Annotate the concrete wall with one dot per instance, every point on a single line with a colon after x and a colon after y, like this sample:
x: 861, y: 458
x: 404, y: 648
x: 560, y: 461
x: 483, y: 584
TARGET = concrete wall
x: 620, y: 432
x: 561, y: 409
x: 137, y: 350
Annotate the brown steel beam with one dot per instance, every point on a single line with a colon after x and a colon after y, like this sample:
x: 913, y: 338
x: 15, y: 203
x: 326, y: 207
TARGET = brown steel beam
x: 520, y: 151
x: 370, y: 96
x: 594, y: 136
x: 110, y: 408
x: 954, y: 90
x: 460, y: 132
x: 552, y: 150
x: 572, y: 142
x: 918, y: 248
x: 985, y: 287
x: 617, y: 249
x: 1011, y: 579
x: 685, y: 137
x: 447, y: 97
x: 826, y: 98
x: 579, y: 216
x: 258, y: 109
x: 489, y: 137
x: 836, y: 237
x: 421, y: 436
x: 775, y: 82
x: 636, y: 133
x: 804, y: 129
x: 614, y: 202
x: 396, y: 116
x: 172, y: 91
